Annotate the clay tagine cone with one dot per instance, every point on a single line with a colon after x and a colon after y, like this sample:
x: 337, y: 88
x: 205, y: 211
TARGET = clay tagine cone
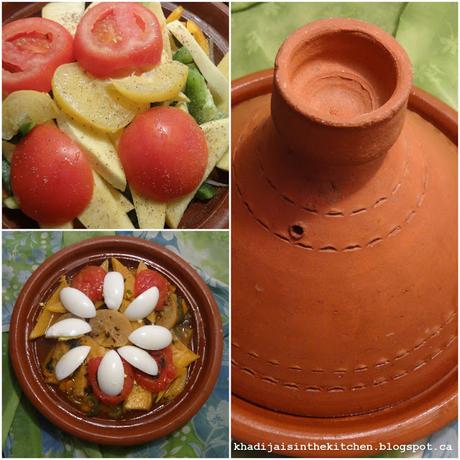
x: 344, y: 244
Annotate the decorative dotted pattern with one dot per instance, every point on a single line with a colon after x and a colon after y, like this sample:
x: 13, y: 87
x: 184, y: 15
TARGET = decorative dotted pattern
x: 362, y: 367
x: 296, y: 386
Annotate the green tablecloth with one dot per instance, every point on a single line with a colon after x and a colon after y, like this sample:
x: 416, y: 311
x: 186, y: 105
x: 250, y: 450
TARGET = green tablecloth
x: 25, y: 433
x: 428, y: 32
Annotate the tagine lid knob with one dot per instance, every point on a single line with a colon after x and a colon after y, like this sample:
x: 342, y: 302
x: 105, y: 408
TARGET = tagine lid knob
x: 340, y: 91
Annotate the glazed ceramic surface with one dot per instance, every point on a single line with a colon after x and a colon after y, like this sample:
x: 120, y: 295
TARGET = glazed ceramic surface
x: 213, y: 19
x: 344, y: 244
x: 26, y: 355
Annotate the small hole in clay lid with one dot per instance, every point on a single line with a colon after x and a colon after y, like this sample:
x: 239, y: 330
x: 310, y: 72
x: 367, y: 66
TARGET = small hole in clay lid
x: 296, y: 231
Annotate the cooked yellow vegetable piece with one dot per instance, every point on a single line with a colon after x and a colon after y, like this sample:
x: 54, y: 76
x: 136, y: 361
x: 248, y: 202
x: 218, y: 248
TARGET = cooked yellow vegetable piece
x: 105, y: 265
x: 104, y: 209
x: 178, y: 385
x: 182, y: 356
x: 223, y: 66
x: 96, y: 349
x: 160, y: 84
x: 49, y: 365
x: 175, y: 14
x: 150, y: 214
x: 138, y: 399
x: 198, y: 35
x: 216, y: 133
x: 141, y: 267
x: 54, y: 303
x: 26, y: 107
x: 68, y: 14
x: 91, y: 101
x: 128, y: 276
x: 44, y: 321
x: 101, y: 152
x: 80, y: 381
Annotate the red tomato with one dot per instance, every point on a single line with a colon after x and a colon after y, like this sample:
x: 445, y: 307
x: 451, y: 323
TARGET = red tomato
x: 90, y: 281
x: 116, y: 39
x: 164, y: 153
x: 150, y: 278
x: 93, y: 365
x: 166, y: 372
x: 32, y: 50
x: 51, y: 176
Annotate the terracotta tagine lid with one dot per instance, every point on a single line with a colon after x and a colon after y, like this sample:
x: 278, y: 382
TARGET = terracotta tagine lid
x: 344, y: 245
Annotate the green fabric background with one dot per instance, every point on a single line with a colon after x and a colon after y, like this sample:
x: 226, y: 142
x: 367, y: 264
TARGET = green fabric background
x: 428, y: 32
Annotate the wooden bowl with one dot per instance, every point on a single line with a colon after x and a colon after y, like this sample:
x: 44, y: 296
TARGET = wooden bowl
x: 26, y: 355
x: 213, y: 18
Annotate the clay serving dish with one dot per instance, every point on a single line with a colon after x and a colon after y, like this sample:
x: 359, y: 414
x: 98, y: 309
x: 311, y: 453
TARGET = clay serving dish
x: 213, y: 19
x: 344, y: 246
x: 26, y: 355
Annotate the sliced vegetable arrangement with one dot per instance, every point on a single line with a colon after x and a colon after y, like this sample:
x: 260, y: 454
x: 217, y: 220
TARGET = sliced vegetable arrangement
x: 114, y: 116
x: 120, y: 339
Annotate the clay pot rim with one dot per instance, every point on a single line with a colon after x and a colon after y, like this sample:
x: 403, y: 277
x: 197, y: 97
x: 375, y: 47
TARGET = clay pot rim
x: 323, y: 27
x: 145, y: 427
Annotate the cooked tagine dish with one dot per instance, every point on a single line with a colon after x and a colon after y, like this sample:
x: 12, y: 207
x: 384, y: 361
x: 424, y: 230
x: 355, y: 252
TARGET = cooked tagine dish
x: 114, y: 116
x: 119, y: 339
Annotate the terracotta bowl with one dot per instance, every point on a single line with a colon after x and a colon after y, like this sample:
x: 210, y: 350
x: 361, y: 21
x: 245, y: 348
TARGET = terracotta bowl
x: 344, y: 247
x: 213, y: 18
x: 142, y: 427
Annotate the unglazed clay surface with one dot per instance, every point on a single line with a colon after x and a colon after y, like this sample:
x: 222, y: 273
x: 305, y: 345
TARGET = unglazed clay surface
x: 344, y: 232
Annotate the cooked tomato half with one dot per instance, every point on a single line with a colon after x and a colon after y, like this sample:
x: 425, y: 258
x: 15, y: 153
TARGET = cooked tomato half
x: 164, y: 153
x: 93, y: 366
x: 51, y: 176
x: 150, y: 278
x: 116, y: 39
x: 90, y: 280
x: 32, y: 50
x: 166, y: 372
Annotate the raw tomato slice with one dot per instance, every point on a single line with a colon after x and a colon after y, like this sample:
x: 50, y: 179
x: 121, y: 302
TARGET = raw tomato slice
x: 33, y: 48
x: 164, y: 153
x: 51, y: 176
x: 116, y: 39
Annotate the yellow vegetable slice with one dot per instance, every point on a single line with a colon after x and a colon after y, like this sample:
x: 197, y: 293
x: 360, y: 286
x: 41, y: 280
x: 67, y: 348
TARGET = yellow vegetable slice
x: 216, y: 133
x: 138, y: 399
x: 160, y: 84
x: 175, y: 14
x: 68, y: 14
x: 178, y: 385
x: 182, y: 356
x: 150, y: 214
x: 26, y: 106
x: 198, y: 35
x: 54, y: 304
x: 101, y: 152
x: 91, y: 101
x: 104, y: 210
x: 128, y: 277
x: 44, y: 320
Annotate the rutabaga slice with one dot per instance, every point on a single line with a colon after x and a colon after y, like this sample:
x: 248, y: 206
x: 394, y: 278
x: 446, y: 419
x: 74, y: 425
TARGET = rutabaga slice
x: 156, y: 9
x: 150, y: 214
x: 223, y: 67
x: 68, y: 14
x: 216, y: 133
x: 104, y: 211
x: 101, y: 152
x: 217, y: 82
